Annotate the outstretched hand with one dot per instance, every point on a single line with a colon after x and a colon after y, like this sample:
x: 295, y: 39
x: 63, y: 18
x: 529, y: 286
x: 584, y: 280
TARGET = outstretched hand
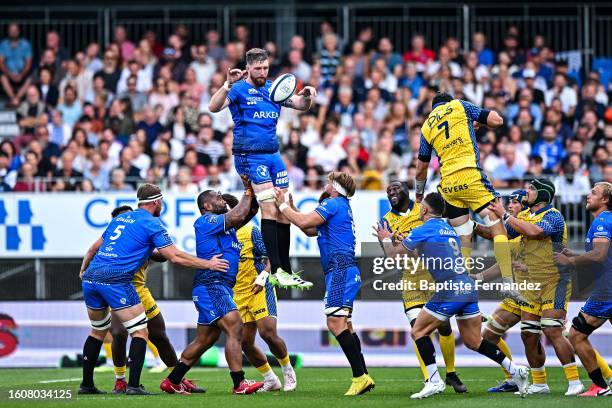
x: 381, y: 232
x: 308, y: 92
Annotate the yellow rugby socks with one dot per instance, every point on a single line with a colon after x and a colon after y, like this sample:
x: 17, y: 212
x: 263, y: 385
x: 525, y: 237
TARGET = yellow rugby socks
x: 539, y: 375
x: 447, y: 346
x: 503, y: 346
x: 120, y: 372
x: 421, y: 363
x: 502, y: 255
x: 108, y: 351
x: 571, y: 372
x: 285, y: 361
x: 153, y: 349
x: 603, y: 365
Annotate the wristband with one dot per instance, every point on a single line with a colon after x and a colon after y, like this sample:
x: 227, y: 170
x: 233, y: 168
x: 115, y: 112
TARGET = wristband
x: 420, y: 186
x: 506, y: 217
x: 283, y: 207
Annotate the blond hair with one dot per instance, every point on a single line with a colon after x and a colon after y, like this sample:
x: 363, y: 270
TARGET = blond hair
x: 345, y: 180
x: 606, y: 190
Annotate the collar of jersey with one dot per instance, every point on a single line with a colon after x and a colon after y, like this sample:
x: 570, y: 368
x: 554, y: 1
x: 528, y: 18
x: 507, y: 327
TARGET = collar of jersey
x: 437, y: 104
x: 410, y: 206
x: 541, y: 210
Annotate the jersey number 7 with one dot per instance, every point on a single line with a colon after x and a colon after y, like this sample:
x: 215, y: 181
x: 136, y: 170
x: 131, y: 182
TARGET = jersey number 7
x: 445, y: 126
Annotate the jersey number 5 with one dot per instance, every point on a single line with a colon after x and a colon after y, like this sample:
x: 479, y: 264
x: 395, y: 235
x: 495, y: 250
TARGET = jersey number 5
x: 445, y: 126
x: 117, y: 232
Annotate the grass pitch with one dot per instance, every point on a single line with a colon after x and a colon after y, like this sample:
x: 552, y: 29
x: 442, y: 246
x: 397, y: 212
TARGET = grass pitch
x: 317, y: 387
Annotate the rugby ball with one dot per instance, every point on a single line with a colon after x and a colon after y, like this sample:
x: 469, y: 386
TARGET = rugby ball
x: 283, y: 88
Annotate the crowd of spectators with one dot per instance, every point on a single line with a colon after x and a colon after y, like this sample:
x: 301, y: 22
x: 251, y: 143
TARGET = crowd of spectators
x: 113, y: 115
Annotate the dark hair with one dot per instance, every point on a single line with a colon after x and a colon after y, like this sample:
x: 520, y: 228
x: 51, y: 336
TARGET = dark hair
x: 120, y: 210
x: 256, y: 55
x: 231, y: 200
x: 441, y: 97
x: 436, y: 203
x: 203, y: 197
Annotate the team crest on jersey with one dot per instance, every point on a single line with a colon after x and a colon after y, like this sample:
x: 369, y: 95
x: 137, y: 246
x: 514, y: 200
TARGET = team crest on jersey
x: 600, y: 228
x: 123, y: 301
x: 262, y: 171
x: 252, y: 91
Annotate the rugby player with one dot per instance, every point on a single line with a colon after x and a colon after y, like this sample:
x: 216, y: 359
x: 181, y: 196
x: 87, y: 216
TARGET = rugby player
x: 449, y: 130
x: 401, y: 219
x: 257, y: 307
x: 598, y: 307
x: 543, y: 232
x: 158, y: 340
x: 125, y: 245
x: 437, y: 240
x: 508, y: 313
x: 215, y: 232
x: 332, y: 223
x: 256, y: 154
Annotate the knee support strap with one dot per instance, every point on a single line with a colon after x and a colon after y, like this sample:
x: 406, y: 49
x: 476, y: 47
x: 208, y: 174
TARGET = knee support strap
x: 548, y: 323
x: 101, y: 324
x: 265, y: 196
x: 580, y: 324
x: 412, y: 314
x: 338, y: 312
x: 488, y: 222
x: 495, y: 327
x: 137, y: 323
x: 465, y: 229
x: 531, y: 326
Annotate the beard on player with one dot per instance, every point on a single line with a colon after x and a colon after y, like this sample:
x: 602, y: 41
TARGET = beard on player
x: 398, y: 195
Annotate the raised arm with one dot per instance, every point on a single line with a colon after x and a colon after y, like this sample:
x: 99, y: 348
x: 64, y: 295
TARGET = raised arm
x: 303, y: 100
x: 219, y: 100
x: 244, y: 211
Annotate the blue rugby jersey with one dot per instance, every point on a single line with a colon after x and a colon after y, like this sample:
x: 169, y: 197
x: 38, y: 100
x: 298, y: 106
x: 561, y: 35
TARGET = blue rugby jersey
x: 255, y: 116
x: 128, y: 241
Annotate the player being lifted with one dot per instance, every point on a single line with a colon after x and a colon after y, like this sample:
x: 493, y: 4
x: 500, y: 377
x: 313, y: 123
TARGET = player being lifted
x: 125, y: 245
x: 215, y: 232
x: 543, y: 232
x: 437, y: 240
x: 256, y: 154
x: 332, y: 223
x: 598, y: 307
x: 400, y: 220
x: 257, y: 308
x: 158, y: 339
x: 449, y: 130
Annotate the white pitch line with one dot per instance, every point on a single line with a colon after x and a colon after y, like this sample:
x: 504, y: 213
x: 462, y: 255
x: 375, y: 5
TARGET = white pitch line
x: 59, y: 381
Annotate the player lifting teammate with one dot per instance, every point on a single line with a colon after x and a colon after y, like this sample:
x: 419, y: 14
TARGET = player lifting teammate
x: 437, y: 240
x: 508, y: 313
x: 449, y: 130
x: 212, y: 293
x: 543, y: 232
x: 125, y: 245
x: 598, y: 307
x: 332, y: 223
x: 257, y: 307
x: 256, y: 154
x: 400, y: 220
